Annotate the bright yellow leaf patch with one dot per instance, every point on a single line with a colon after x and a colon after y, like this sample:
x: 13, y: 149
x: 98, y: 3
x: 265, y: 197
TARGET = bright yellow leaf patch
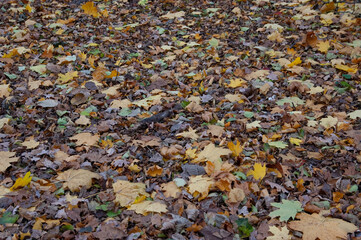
x: 22, y: 182
x: 258, y: 172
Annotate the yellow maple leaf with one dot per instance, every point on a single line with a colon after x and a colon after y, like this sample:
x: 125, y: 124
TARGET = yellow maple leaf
x: 323, y: 46
x: 90, y: 9
x: 258, y: 172
x: 295, y: 62
x: 236, y: 83
x: 235, y: 148
x: 296, y: 141
x: 22, y: 182
x: 13, y: 52
x: 346, y: 68
x: 67, y: 77
x: 29, y: 8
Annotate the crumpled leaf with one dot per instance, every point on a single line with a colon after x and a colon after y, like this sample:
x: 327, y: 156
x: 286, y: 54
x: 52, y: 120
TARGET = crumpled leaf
x: 199, y: 186
x: 287, y: 209
x: 22, y: 182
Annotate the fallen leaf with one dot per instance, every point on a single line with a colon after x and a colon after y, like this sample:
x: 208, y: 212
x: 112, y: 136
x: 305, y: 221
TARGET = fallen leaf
x: 316, y: 226
x: 323, y: 46
x: 236, y: 149
x: 190, y: 134
x: 170, y: 189
x: 5, y: 90
x: 6, y: 158
x: 297, y: 61
x: 212, y: 153
x: 22, y: 182
x: 75, y: 179
x: 278, y: 234
x: 146, y: 207
x: 67, y: 77
x: 328, y: 122
x: 30, y: 143
x: 258, y: 172
x: 199, y: 186
x: 85, y: 139
x: 287, y: 209
x: 90, y: 9
x: 127, y: 192
x: 355, y: 114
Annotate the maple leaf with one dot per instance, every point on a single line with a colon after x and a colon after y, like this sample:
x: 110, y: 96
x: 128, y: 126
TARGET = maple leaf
x: 328, y: 122
x: 127, y: 192
x: 5, y: 90
x: 316, y: 226
x: 90, y: 9
x: 6, y: 158
x: 295, y: 62
x: 278, y: 234
x: 30, y: 143
x: 67, y: 77
x: 85, y: 139
x: 75, y: 179
x: 296, y: 141
x: 258, y: 172
x: 22, y: 182
x: 235, y: 83
x: 200, y: 186
x: 278, y: 144
x: 323, y: 46
x: 146, y: 207
x: 190, y: 134
x: 212, y: 153
x: 346, y: 68
x: 235, y: 148
x: 355, y: 114
x: 170, y: 189
x: 287, y: 209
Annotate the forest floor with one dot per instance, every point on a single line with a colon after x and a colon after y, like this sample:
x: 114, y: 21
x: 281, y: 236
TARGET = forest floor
x: 180, y: 119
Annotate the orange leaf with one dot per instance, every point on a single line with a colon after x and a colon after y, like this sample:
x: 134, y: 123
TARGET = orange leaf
x: 90, y: 9
x: 235, y: 148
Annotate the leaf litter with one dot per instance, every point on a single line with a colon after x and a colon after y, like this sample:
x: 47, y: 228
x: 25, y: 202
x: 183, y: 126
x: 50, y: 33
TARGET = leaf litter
x: 180, y: 119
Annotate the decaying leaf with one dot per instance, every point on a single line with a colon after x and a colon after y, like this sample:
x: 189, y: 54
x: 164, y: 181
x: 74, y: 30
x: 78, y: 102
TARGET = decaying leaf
x: 199, y: 186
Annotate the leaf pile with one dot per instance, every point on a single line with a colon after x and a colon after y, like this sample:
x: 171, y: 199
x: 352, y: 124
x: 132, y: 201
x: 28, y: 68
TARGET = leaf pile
x: 180, y: 119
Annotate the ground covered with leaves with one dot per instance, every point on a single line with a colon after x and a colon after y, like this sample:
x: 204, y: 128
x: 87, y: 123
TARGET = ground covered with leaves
x: 180, y: 119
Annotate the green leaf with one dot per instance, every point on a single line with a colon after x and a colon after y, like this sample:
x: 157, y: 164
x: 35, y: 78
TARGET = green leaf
x: 244, y: 227
x: 39, y: 68
x: 353, y: 188
x: 7, y: 217
x: 125, y: 112
x: 88, y: 110
x: 214, y: 42
x: 278, y: 144
x: 11, y: 76
x: 287, y: 209
x: 293, y: 101
x: 248, y: 114
x: 114, y: 214
x: 240, y: 175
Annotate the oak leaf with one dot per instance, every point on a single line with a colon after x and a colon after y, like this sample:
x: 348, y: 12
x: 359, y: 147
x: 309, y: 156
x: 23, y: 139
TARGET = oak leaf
x: 316, y: 226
